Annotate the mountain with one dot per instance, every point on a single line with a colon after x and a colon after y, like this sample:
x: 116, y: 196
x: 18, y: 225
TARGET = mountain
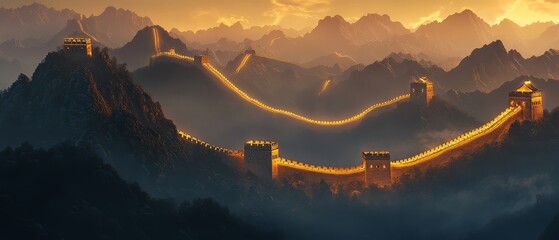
x: 335, y: 34
x: 94, y: 100
x: 32, y: 21
x: 74, y: 28
x: 459, y: 32
x: 475, y: 103
x: 9, y: 70
x: 235, y: 32
x: 112, y: 28
x: 374, y: 27
x: 486, y: 68
x: 490, y: 66
x: 115, y: 27
x: 68, y: 192
x: 277, y: 82
x: 548, y: 39
x: 204, y: 104
x: 551, y: 231
x: 511, y: 34
x: 137, y: 52
x: 343, y: 61
x: 379, y: 81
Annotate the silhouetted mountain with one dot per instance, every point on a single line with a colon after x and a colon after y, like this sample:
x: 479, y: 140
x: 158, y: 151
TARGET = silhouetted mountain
x: 377, y: 82
x: 32, y: 21
x: 475, y: 103
x: 276, y: 82
x: 486, y: 68
x: 92, y: 100
x: 137, y: 52
x: 548, y: 39
x: 9, y: 70
x: 236, y: 32
x: 332, y: 32
x: 69, y: 193
x: 490, y: 66
x: 374, y: 27
x: 74, y: 28
x: 343, y: 61
x: 113, y: 28
x: 460, y: 32
x: 421, y: 58
x: 552, y: 230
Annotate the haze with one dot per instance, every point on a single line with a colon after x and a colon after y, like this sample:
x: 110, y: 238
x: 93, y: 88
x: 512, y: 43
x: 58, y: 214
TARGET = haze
x: 300, y: 14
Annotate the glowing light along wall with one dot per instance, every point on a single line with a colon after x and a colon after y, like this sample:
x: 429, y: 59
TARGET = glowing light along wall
x: 263, y: 106
x: 156, y: 43
x: 173, y: 55
x: 243, y: 62
x: 191, y: 139
x: 459, y: 141
x: 319, y: 169
x: 324, y: 86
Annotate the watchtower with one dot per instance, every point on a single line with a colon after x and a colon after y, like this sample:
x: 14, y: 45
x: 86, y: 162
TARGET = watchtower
x: 421, y: 91
x: 530, y: 98
x: 78, y: 46
x: 201, y: 59
x: 260, y: 157
x: 250, y: 51
x: 377, y: 168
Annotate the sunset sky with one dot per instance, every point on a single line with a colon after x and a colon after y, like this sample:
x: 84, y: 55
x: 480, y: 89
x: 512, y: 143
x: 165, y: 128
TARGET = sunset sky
x: 298, y: 14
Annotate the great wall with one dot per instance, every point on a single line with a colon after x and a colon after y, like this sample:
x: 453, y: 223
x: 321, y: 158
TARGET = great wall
x: 262, y: 158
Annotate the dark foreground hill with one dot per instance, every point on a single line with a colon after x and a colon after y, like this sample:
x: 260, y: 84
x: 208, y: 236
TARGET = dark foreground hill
x: 68, y: 192
x: 94, y: 100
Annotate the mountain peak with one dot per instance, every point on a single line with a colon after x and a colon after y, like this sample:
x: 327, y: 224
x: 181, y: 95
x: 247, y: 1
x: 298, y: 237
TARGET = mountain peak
x: 466, y: 15
x: 508, y: 22
x: 337, y: 19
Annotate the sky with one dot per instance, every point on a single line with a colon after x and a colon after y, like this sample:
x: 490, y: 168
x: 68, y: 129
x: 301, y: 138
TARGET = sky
x: 300, y: 14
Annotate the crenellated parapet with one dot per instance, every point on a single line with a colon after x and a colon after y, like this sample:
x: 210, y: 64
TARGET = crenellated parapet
x: 78, y: 46
x: 191, y: 139
x: 461, y: 140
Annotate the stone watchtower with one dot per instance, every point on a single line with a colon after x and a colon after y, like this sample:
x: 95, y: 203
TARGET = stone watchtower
x: 201, y: 59
x: 421, y: 91
x: 377, y: 168
x: 530, y: 98
x: 78, y: 46
x: 259, y: 158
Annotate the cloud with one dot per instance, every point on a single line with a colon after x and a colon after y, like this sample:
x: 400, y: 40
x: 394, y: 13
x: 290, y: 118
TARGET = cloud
x: 550, y: 7
x: 434, y: 16
x: 508, y: 10
x: 297, y: 8
x: 232, y: 20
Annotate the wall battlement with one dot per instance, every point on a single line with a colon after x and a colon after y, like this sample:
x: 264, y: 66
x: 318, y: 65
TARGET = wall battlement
x: 78, y: 46
x: 384, y: 155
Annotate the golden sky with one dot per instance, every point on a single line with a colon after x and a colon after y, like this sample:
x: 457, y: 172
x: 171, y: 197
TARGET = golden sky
x: 298, y: 14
